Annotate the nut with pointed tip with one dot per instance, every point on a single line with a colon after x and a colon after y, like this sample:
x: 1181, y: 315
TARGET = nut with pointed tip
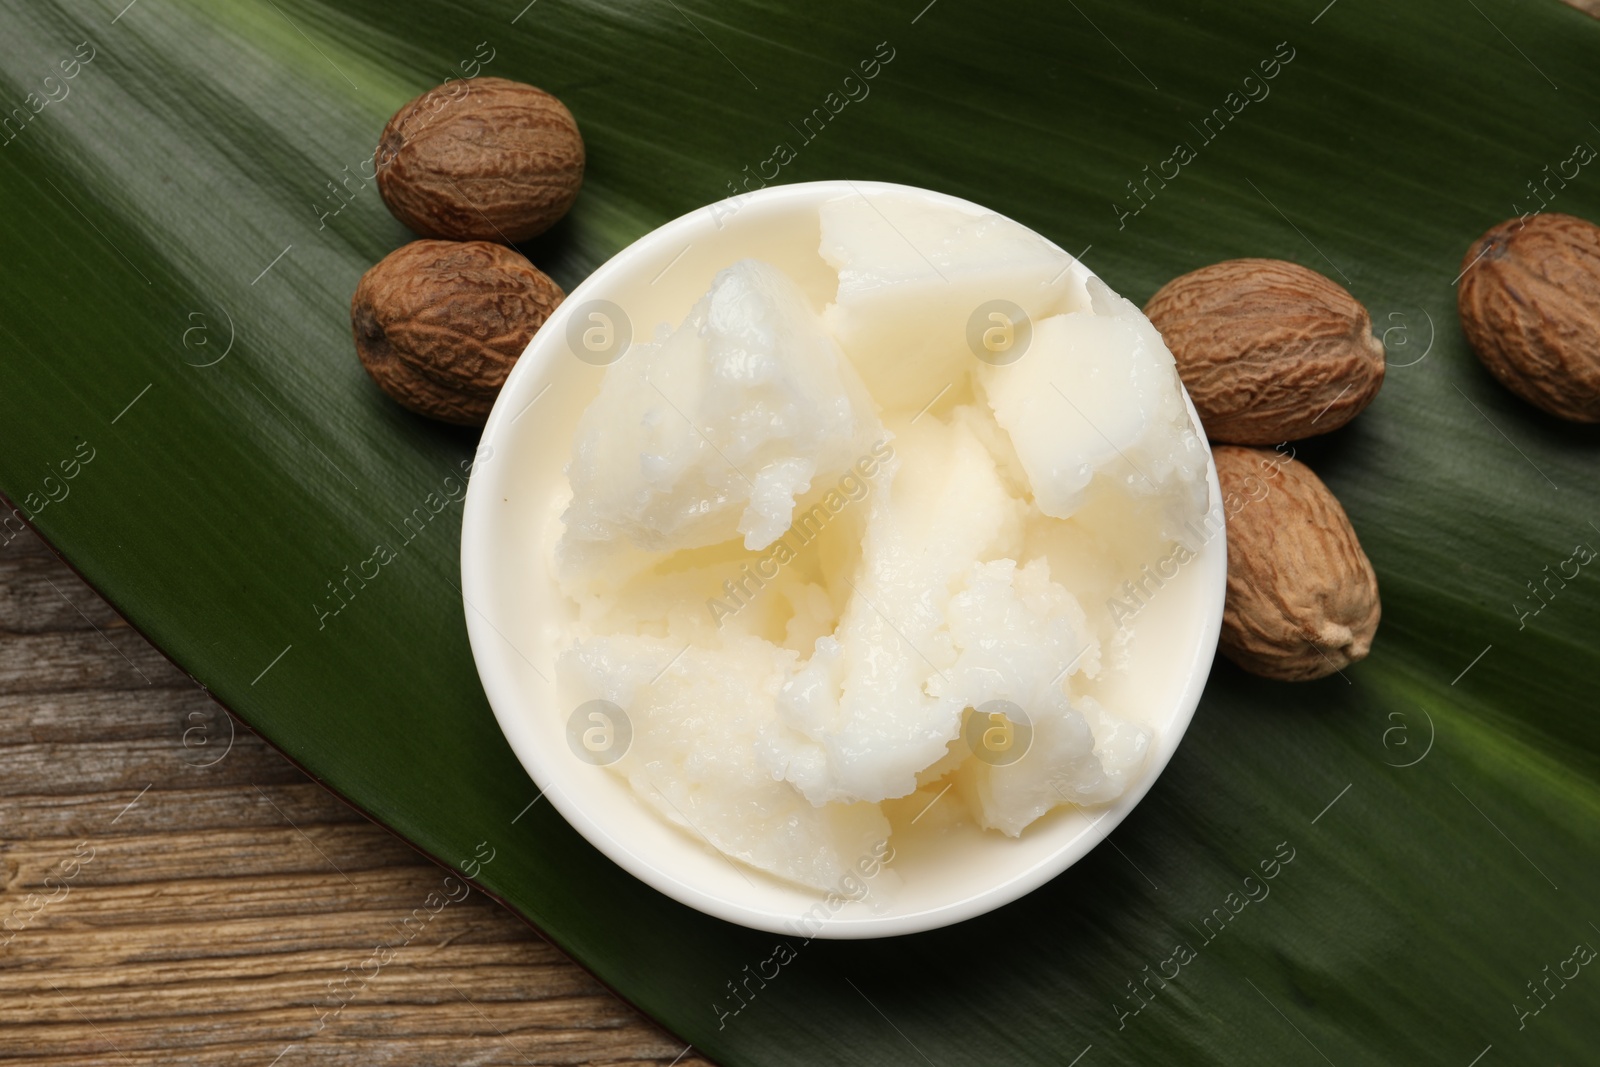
x: 1269, y: 350
x: 1302, y: 597
x: 438, y: 324
x: 488, y: 160
x: 1530, y: 306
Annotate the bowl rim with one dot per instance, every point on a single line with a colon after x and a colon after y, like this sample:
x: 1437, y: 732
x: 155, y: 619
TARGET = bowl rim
x: 509, y: 705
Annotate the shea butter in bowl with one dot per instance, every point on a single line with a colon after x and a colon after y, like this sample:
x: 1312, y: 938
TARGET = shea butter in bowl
x: 843, y: 559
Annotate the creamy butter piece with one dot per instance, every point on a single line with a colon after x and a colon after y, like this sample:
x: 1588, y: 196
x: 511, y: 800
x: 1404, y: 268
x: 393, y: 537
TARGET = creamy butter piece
x: 910, y: 277
x: 865, y: 715
x: 1097, y: 395
x: 799, y: 580
x: 716, y: 430
x: 693, y: 756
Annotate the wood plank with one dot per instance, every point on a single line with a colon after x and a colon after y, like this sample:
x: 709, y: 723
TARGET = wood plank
x: 115, y: 715
x: 205, y: 807
x: 130, y: 765
x: 108, y: 658
x: 35, y: 598
x: 224, y: 909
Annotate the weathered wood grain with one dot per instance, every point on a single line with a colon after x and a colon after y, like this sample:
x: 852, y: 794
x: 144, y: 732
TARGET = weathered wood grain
x: 175, y: 892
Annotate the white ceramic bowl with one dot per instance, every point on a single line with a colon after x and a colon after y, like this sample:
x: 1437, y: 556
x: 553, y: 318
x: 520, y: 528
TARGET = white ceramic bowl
x: 514, y: 611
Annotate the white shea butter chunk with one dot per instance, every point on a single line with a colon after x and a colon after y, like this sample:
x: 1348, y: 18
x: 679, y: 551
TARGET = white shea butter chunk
x: 865, y: 714
x: 693, y: 752
x: 911, y: 278
x: 1018, y: 634
x: 717, y: 430
x: 1097, y: 394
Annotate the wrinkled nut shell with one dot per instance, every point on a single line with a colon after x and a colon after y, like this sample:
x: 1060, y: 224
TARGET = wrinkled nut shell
x: 1269, y: 350
x: 485, y: 160
x: 1302, y: 596
x: 438, y: 324
x: 1530, y: 306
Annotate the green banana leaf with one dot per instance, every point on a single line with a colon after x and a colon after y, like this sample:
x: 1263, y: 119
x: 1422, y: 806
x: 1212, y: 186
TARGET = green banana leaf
x: 184, y: 220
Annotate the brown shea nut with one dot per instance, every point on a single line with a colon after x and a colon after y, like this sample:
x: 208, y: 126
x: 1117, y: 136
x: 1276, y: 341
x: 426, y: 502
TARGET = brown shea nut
x: 486, y: 159
x: 1302, y: 596
x: 1530, y: 306
x: 438, y: 324
x: 1269, y: 351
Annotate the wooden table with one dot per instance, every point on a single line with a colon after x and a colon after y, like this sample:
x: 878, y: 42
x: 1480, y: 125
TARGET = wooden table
x: 176, y: 892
